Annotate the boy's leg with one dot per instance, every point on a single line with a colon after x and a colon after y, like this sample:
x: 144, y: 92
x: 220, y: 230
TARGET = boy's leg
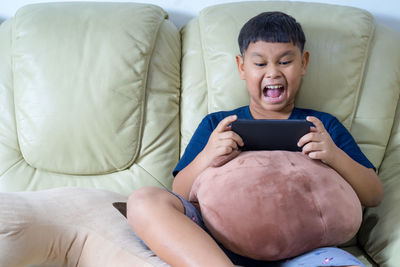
x: 157, y: 216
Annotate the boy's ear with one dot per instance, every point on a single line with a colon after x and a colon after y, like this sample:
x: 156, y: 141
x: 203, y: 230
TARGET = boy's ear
x: 240, y: 65
x: 304, y: 62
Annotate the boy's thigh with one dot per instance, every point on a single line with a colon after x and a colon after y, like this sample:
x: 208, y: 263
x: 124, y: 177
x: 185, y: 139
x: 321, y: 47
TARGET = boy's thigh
x: 191, y: 211
x: 188, y: 208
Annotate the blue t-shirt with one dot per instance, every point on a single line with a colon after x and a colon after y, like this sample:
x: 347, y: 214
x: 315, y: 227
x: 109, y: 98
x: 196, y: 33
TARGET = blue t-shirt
x: 339, y: 134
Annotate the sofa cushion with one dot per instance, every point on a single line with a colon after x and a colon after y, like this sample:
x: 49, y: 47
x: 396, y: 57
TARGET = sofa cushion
x: 74, y: 88
x: 68, y: 227
x: 89, y: 96
x: 271, y: 205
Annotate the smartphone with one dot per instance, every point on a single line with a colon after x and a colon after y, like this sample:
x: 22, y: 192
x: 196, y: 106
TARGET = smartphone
x: 271, y: 134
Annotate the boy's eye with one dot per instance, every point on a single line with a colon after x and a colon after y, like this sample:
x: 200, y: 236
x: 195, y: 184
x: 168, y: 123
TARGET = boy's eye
x: 260, y: 64
x: 285, y: 62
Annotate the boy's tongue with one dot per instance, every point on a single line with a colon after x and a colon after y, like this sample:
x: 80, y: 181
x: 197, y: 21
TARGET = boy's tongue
x: 275, y: 92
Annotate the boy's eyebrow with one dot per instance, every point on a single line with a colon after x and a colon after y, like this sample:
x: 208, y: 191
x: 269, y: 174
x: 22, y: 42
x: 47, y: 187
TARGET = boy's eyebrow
x: 285, y: 53
x: 255, y: 54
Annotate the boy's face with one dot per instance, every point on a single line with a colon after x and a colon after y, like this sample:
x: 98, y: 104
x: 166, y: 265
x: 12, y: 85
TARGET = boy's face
x: 273, y: 72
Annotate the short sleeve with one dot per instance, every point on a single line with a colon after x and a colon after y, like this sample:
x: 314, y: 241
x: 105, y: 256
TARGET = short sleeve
x: 345, y: 141
x: 196, y: 144
x: 203, y: 132
x: 339, y: 134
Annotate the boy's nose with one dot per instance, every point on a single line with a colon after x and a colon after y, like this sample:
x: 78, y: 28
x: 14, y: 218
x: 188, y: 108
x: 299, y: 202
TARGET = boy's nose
x: 272, y: 73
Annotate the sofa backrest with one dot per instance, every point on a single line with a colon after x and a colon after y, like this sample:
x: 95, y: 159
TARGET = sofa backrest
x: 97, y: 94
x: 353, y: 71
x: 89, y: 96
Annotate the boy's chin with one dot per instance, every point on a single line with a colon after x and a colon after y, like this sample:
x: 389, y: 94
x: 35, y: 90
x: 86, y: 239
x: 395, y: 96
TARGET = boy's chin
x: 273, y: 101
x: 275, y: 105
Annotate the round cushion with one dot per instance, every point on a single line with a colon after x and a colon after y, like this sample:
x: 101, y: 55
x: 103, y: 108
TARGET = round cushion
x: 271, y: 205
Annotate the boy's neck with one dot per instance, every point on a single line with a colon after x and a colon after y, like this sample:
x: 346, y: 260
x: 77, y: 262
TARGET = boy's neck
x: 271, y: 114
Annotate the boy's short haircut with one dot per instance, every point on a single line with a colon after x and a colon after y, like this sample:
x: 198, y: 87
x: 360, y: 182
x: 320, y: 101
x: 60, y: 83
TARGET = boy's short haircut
x: 274, y: 27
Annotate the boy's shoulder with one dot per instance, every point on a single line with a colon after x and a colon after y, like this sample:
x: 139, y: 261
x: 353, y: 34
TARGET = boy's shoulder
x: 241, y: 112
x: 213, y: 119
x: 302, y: 113
x: 330, y: 122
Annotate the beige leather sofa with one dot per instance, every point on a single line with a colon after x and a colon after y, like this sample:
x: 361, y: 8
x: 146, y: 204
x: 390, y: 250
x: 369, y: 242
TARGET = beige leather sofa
x: 99, y: 99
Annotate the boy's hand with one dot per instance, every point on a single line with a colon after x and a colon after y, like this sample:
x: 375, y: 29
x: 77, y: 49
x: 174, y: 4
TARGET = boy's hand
x: 318, y: 144
x: 223, y: 142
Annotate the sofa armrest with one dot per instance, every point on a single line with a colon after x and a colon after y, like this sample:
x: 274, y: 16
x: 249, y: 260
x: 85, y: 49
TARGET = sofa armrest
x: 380, y: 233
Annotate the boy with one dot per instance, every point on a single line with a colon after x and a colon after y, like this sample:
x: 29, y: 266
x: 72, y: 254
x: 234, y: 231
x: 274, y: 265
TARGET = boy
x: 272, y: 62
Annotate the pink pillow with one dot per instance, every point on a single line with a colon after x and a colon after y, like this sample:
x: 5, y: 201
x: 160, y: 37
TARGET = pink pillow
x: 271, y: 205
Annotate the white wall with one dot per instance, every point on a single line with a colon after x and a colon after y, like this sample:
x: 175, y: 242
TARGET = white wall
x: 181, y: 11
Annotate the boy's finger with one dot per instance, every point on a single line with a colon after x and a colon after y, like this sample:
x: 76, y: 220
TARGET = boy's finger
x: 238, y: 139
x: 318, y: 124
x: 313, y: 129
x: 312, y: 136
x: 233, y: 136
x: 304, y: 140
x: 225, y: 122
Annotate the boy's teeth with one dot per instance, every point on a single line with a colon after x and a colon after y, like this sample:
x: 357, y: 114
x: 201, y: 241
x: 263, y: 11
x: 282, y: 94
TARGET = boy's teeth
x: 273, y: 91
x: 274, y: 86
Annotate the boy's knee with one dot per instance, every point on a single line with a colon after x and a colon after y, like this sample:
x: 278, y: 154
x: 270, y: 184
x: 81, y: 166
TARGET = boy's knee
x: 149, y: 198
x: 142, y: 197
x: 138, y: 203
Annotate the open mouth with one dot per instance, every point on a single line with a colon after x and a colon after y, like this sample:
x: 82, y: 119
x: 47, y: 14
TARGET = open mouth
x: 273, y: 92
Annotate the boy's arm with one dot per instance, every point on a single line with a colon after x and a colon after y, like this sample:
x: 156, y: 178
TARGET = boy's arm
x: 319, y: 145
x: 222, y: 142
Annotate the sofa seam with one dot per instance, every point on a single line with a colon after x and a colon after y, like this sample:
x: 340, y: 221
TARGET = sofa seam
x: 360, y: 82
x: 11, y: 166
x: 206, y: 72
x: 152, y: 176
x: 145, y: 95
x: 12, y: 38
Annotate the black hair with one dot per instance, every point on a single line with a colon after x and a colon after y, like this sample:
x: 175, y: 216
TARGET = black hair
x: 274, y: 27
